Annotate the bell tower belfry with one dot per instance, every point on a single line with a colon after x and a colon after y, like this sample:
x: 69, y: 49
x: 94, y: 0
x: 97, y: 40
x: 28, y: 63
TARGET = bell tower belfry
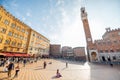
x: 90, y: 45
x: 86, y: 27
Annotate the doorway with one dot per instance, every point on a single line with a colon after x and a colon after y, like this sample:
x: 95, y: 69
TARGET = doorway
x: 103, y: 59
x: 94, y: 56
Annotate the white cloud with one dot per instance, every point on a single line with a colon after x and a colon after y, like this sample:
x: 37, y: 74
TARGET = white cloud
x: 59, y: 2
x: 51, y: 11
x: 71, y: 30
x: 94, y: 25
x: 72, y: 34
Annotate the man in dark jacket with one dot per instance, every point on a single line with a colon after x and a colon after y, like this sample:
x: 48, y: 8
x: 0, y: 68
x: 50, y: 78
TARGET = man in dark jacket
x: 10, y: 67
x: 24, y: 62
x: 44, y: 64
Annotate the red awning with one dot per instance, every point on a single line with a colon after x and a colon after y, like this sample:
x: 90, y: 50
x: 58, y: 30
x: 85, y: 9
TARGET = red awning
x: 15, y: 54
x: 21, y: 55
x: 8, y: 54
x: 26, y: 55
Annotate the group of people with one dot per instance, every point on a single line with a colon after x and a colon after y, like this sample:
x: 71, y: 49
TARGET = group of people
x: 8, y: 65
x: 8, y: 68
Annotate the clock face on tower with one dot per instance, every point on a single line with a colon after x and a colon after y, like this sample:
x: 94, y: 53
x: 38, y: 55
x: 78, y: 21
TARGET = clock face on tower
x: 88, y: 39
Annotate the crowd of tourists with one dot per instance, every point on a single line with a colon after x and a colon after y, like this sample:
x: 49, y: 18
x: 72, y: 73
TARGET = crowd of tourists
x: 10, y: 63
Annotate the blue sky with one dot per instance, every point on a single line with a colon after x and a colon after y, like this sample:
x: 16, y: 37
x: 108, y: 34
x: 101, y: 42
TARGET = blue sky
x: 60, y: 21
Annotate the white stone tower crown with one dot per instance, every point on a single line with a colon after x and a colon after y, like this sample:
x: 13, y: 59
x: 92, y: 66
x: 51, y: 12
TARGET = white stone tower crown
x: 83, y: 13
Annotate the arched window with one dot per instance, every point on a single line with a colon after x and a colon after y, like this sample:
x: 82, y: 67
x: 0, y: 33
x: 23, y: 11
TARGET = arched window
x: 13, y: 43
x: 10, y: 33
x: 13, y: 25
x: 19, y: 44
x: 6, y: 22
x: 114, y: 58
x: 111, y: 50
x: 15, y: 35
x: 18, y: 28
x: 22, y: 30
x: 3, y: 30
x: 7, y: 41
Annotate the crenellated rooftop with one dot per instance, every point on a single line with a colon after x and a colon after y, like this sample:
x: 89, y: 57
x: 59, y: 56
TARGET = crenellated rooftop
x: 16, y: 19
x: 109, y: 30
x: 10, y: 15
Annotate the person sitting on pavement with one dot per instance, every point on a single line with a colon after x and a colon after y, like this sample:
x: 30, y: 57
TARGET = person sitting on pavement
x: 58, y: 75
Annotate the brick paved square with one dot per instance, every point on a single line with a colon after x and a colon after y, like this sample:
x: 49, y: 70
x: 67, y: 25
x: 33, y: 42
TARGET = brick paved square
x: 75, y: 71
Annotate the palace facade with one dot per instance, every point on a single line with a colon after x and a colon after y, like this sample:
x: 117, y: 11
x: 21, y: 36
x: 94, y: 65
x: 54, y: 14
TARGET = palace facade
x: 17, y: 37
x: 38, y: 44
x: 79, y: 53
x: 105, y: 49
x: 55, y: 50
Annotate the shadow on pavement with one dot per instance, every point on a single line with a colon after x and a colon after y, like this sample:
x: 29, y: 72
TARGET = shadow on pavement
x: 104, y: 72
x: 54, y: 77
x: 38, y: 69
x: 72, y: 62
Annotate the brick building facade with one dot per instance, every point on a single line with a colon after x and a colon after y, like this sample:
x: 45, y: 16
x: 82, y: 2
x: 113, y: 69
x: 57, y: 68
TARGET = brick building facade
x: 105, y: 49
x: 55, y: 50
x: 109, y: 46
x: 67, y: 51
x: 79, y: 53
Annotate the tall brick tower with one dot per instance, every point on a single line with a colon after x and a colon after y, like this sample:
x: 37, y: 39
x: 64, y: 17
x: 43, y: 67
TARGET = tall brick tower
x: 89, y: 42
x: 86, y: 27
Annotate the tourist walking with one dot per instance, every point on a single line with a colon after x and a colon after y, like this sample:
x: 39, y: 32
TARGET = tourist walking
x: 66, y: 65
x: 24, y: 62
x: 44, y: 64
x: 17, y: 69
x: 10, y: 68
